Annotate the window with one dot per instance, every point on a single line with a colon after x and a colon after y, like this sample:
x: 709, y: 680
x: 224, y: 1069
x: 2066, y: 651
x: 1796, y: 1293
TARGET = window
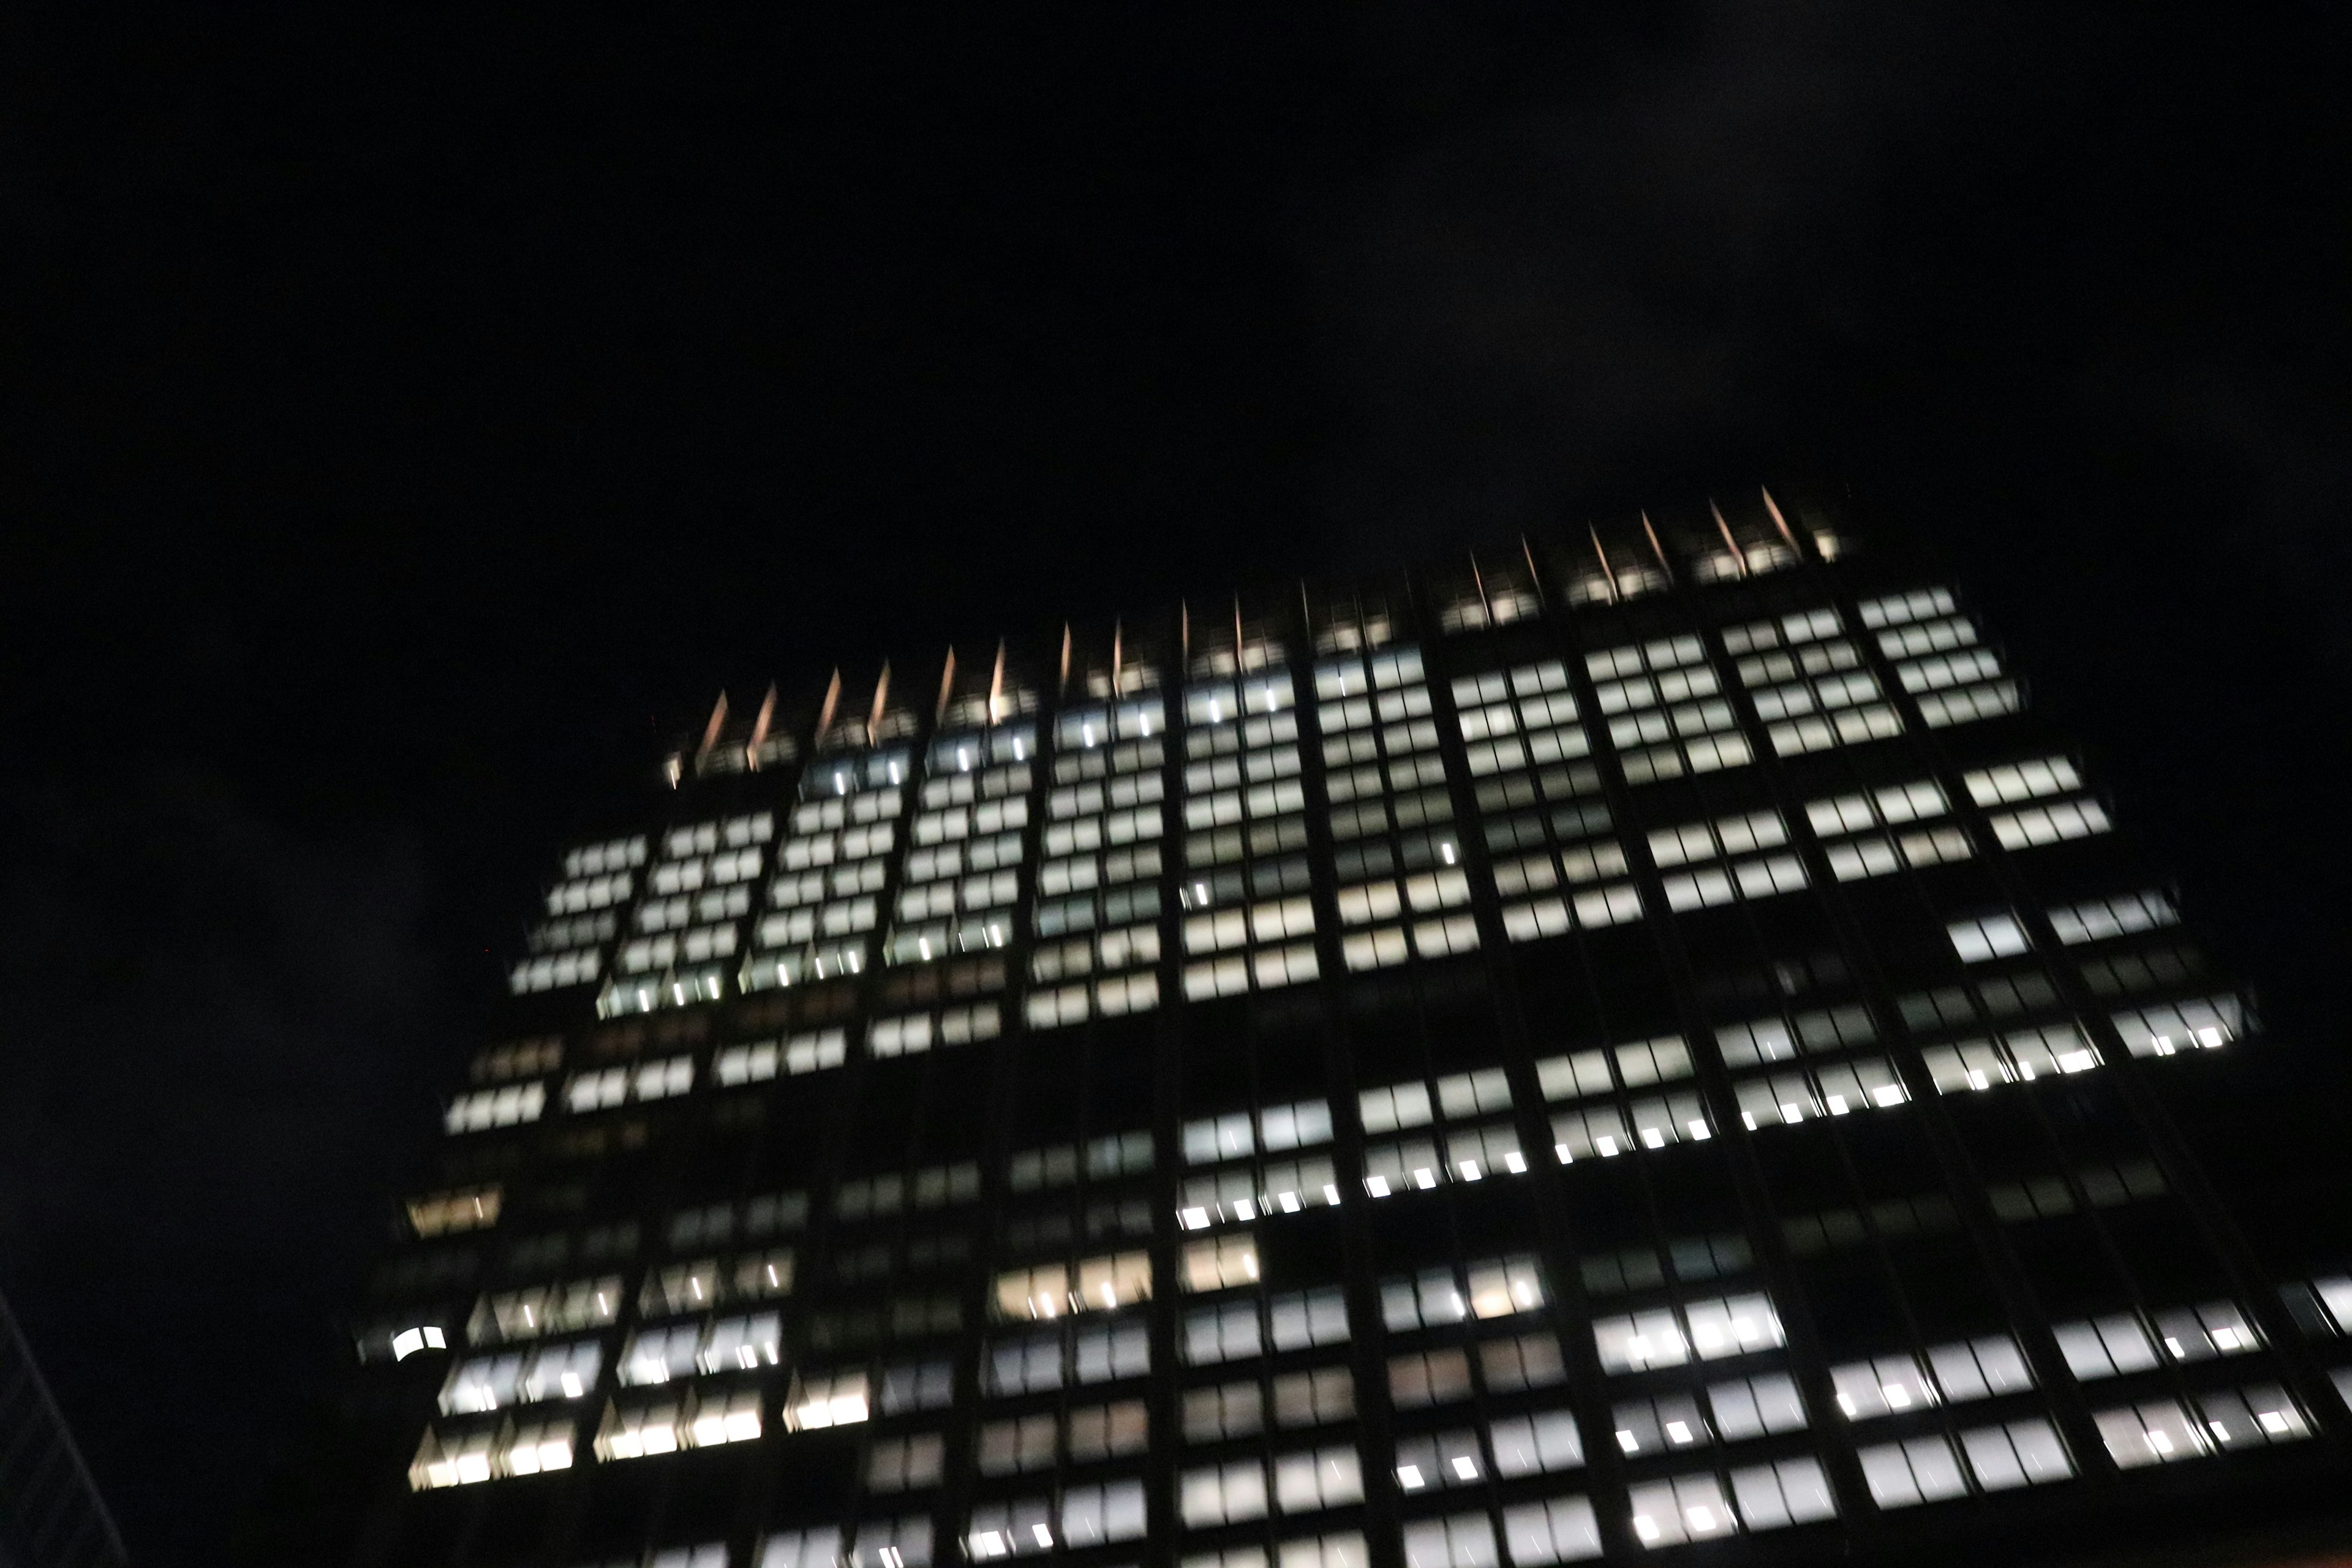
x: 1085, y: 1516
x: 1497, y: 1288
x: 2200, y: 1333
x: 1686, y: 1508
x: 1816, y: 695
x: 1092, y: 1353
x: 1223, y: 1410
x: 1220, y: 1263
x: 906, y: 1464
x: 2156, y: 1432
x: 2015, y: 1454
x: 482, y: 1384
x: 2096, y: 920
x: 1699, y: 843
x: 1917, y: 1470
x: 1524, y: 1361
x: 1439, y: 1460
x: 1665, y: 716
x: 681, y: 1421
x: 465, y: 1457
x: 1246, y: 1192
x: 1762, y: 1041
x: 918, y: 1385
x: 1346, y: 1550
x: 1756, y: 1406
x: 2105, y: 1347
x: 1428, y: 1377
x: 1693, y: 1258
x: 1601, y: 1071
x: 2251, y: 1417
x: 1095, y: 1432
x: 1535, y: 1444
x: 1275, y: 1129
x: 1987, y: 937
x: 545, y: 1310
x: 2206, y: 1023
x: 1091, y: 1285
x: 1459, y: 1540
x: 804, y: 1053
x: 504, y: 1107
x: 1315, y: 1479
x: 819, y: 1400
x: 1785, y: 1098
x: 1116, y: 1154
x: 552, y: 972
x: 664, y: 1354
x: 1667, y: 1336
x: 1517, y: 719
x: 1561, y: 1530
x: 1314, y: 1398
x: 614, y: 855
x: 913, y: 1033
x: 2018, y: 1057
x: 1229, y: 1494
x: 1293, y: 1321
x: 933, y: 1186
x: 445, y: 1214
x: 1606, y: 1130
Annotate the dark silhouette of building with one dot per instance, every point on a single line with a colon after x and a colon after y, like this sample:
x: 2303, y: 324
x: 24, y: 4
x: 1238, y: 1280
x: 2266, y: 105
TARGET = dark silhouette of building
x: 50, y: 1513
x: 1637, y: 1038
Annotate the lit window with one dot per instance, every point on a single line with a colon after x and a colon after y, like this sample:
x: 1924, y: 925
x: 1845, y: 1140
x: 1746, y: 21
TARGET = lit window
x: 1084, y: 1353
x: 1987, y: 937
x: 1493, y: 1289
x: 1091, y: 1285
x: 1785, y: 1098
x: 683, y: 1421
x: 1686, y: 1508
x: 464, y: 1457
x: 2096, y: 920
x: 614, y: 855
x: 1561, y: 1530
x: 545, y: 1310
x: 2156, y: 1432
x: 1634, y: 1066
x: 1229, y: 1494
x: 2205, y: 1024
x: 1220, y: 1263
x: 2021, y: 1056
x: 1726, y: 1326
x: 821, y: 1400
x: 1277, y: 1128
x: 2251, y: 1417
x: 1245, y: 1192
x: 1756, y: 1406
x: 504, y: 1107
x: 1536, y: 1444
x: 2016, y: 1454
x: 1085, y: 1516
x: 1459, y: 1540
x: 482, y: 1384
x: 1432, y: 1461
x: 445, y: 1214
x: 1917, y: 1470
x: 1656, y: 1426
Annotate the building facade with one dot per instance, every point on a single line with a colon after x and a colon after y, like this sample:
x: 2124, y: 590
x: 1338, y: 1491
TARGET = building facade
x: 1643, y: 1042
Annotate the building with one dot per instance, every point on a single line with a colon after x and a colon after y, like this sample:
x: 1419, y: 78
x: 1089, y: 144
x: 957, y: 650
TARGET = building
x: 51, y: 1515
x: 1642, y: 1042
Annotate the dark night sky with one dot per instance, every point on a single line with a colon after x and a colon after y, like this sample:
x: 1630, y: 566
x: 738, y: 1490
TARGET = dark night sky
x: 409, y: 421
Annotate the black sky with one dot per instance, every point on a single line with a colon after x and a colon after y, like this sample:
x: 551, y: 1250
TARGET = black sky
x: 407, y: 420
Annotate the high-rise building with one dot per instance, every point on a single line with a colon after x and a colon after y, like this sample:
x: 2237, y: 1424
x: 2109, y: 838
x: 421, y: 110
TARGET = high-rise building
x: 51, y: 1515
x: 1640, y: 1038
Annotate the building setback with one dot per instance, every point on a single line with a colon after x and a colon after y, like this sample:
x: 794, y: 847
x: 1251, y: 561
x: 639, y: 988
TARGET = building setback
x: 1642, y: 1038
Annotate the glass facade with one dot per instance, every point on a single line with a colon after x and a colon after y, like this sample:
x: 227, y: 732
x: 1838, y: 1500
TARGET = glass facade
x: 1648, y: 1039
